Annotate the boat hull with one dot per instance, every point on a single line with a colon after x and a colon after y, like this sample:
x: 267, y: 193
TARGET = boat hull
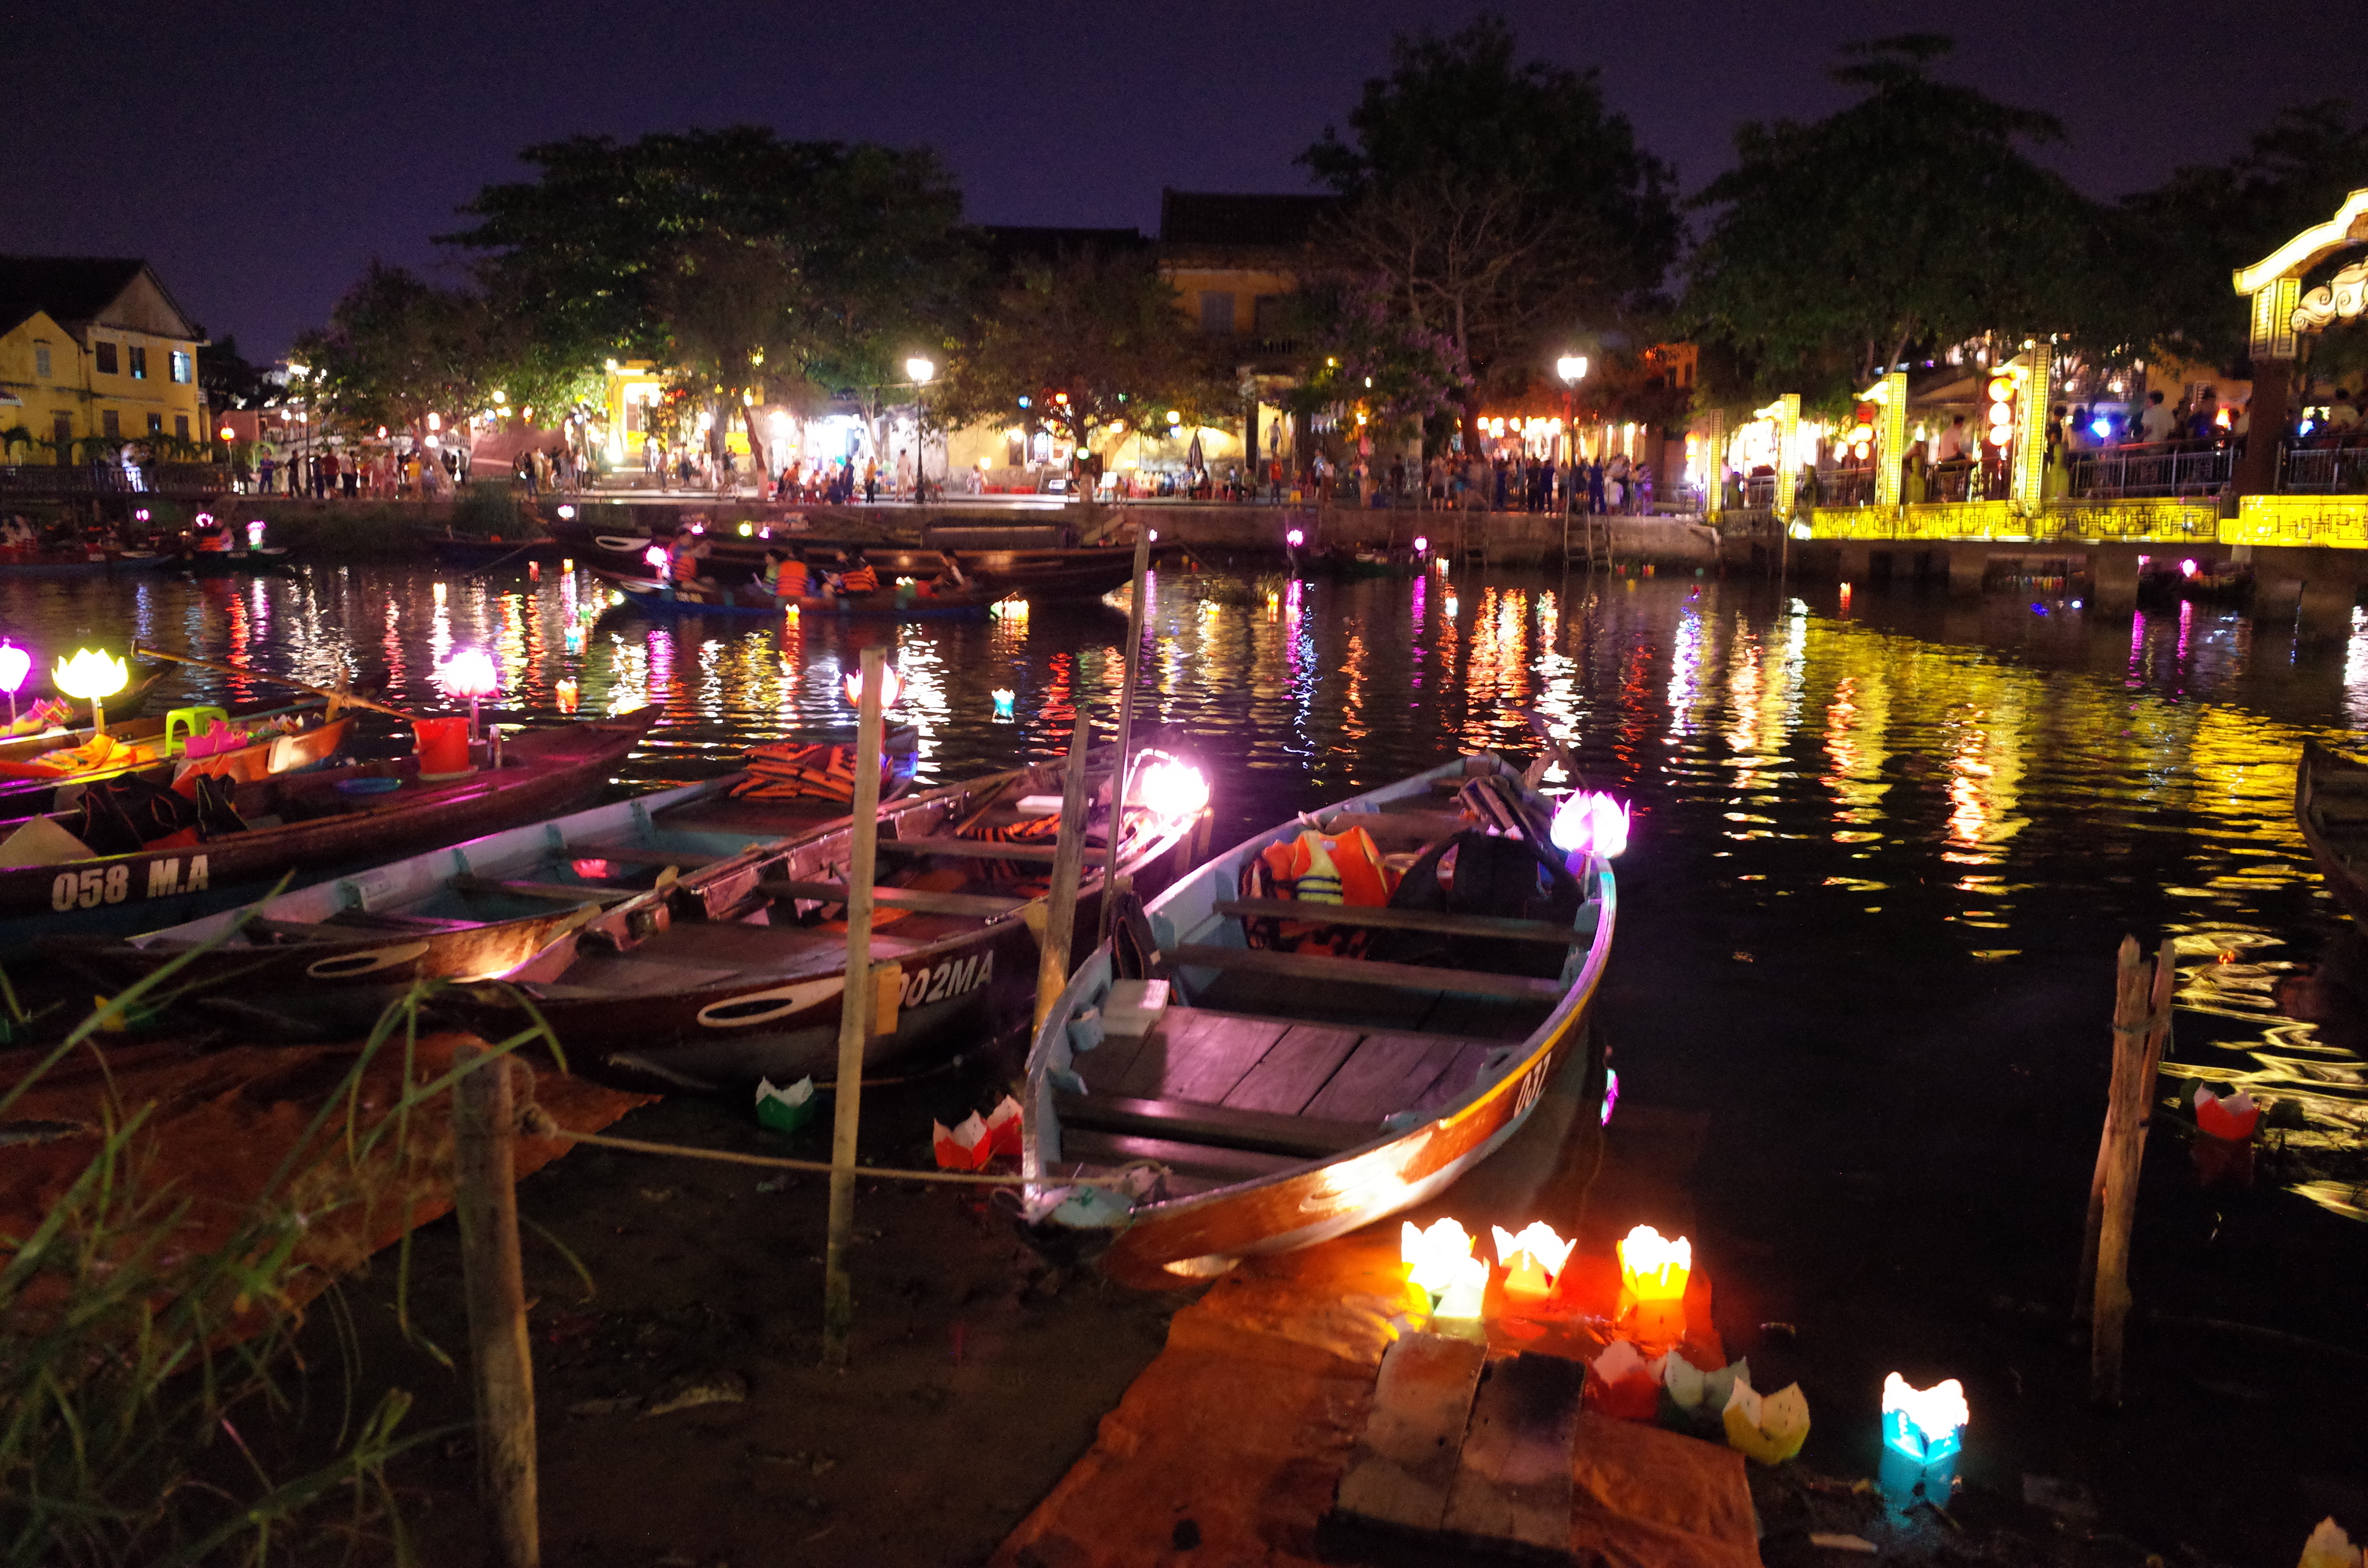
x: 153, y: 888
x: 110, y: 566
x: 2319, y: 770
x: 654, y: 598
x: 1175, y: 1241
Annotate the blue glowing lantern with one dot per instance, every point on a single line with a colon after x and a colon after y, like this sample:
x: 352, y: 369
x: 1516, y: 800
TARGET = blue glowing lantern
x: 1923, y: 1425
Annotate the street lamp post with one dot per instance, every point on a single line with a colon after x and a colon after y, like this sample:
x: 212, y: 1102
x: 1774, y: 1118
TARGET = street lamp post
x: 1572, y: 370
x: 922, y: 370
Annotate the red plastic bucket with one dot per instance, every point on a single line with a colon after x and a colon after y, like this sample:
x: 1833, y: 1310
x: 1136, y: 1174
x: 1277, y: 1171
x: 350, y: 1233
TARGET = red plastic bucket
x: 442, y: 745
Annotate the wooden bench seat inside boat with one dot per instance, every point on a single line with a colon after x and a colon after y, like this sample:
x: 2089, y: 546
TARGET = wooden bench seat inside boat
x: 969, y: 848
x: 1361, y: 972
x: 1200, y: 1060
x: 977, y: 906
x: 569, y: 892
x: 1192, y: 1121
x: 1405, y: 920
x: 636, y: 855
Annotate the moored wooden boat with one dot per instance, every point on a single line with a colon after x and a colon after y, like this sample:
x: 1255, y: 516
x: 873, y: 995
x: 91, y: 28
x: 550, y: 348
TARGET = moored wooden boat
x: 707, y: 597
x: 327, y: 958
x: 751, y: 984
x: 1045, y: 574
x: 2331, y: 808
x: 277, y: 740
x: 1291, y: 1095
x: 82, y: 563
x: 311, y: 824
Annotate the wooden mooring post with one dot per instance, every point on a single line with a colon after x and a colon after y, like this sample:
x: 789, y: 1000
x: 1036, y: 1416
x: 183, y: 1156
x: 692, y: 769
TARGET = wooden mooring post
x: 1125, y: 729
x: 1068, y: 863
x: 859, y: 1005
x: 485, y: 1192
x: 2141, y: 1028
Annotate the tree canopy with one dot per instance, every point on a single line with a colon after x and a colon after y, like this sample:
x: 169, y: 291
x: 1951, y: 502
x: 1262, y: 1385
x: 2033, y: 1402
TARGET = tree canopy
x: 775, y: 270
x: 1499, y: 207
x: 397, y: 348
x: 1912, y: 219
x: 1078, y: 346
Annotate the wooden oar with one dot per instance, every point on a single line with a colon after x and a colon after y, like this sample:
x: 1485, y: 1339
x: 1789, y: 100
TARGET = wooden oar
x: 346, y: 698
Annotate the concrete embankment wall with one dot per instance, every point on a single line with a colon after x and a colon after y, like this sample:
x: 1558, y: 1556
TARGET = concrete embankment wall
x: 362, y: 530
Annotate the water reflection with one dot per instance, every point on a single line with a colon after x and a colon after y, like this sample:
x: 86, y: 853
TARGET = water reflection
x: 1990, y: 780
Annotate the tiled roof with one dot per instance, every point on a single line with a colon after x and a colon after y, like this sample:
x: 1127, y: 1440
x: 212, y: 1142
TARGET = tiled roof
x: 1225, y: 218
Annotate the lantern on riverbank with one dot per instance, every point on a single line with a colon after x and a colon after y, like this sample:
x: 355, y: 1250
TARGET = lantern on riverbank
x: 94, y: 677
x: 1532, y: 1260
x: 1653, y: 1269
x: 1434, y: 1256
x: 470, y: 673
x: 1923, y: 1425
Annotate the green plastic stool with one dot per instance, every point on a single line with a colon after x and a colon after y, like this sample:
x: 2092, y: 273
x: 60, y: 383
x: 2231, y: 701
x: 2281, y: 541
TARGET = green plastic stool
x: 183, y: 723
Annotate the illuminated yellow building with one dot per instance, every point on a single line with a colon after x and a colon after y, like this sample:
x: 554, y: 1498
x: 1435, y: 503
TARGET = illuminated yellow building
x: 94, y: 349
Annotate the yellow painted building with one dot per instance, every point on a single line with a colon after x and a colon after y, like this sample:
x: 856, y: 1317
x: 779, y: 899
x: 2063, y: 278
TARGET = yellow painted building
x: 94, y: 349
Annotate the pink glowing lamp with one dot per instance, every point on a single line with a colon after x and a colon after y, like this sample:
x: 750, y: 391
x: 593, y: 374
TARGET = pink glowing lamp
x: 1590, y: 824
x: 470, y: 673
x: 15, y: 663
x: 1294, y: 539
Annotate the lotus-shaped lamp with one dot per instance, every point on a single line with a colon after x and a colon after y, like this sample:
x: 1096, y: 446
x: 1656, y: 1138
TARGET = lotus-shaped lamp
x: 1923, y: 1425
x: 1531, y: 1259
x: 1588, y: 823
x: 1173, y: 790
x: 94, y: 677
x: 1654, y: 1269
x: 1434, y: 1256
x: 892, y: 686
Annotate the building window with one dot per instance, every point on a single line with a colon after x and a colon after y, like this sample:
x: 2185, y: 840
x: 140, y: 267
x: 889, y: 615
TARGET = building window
x: 181, y: 426
x: 139, y: 363
x: 110, y: 424
x: 1266, y: 315
x: 62, y: 434
x: 181, y: 366
x: 155, y: 424
x: 1216, y: 313
x: 103, y: 355
x: 41, y: 360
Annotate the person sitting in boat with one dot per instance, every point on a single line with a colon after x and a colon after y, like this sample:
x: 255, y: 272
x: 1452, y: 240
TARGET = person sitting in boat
x: 786, y: 579
x: 860, y: 577
x: 683, y: 556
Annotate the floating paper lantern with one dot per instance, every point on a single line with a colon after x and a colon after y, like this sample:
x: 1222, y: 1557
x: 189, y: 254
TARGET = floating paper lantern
x: 657, y: 558
x: 1770, y: 1429
x: 892, y: 686
x: 1294, y: 539
x: 967, y: 1147
x: 2230, y: 1118
x: 1466, y: 1292
x: 1175, y: 791
x: 1622, y: 1384
x: 1531, y: 1259
x: 1699, y: 1394
x: 1923, y: 1423
x: 785, y: 1110
x: 1003, y: 1126
x: 1420, y: 544
x: 1004, y: 697
x: 1432, y: 1256
x: 1610, y: 1093
x: 254, y: 534
x: 2329, y: 1547
x: 1591, y: 824
x: 1653, y: 1269
x: 94, y: 677
x: 1008, y: 609
x: 569, y: 695
x: 15, y: 663
x: 470, y: 673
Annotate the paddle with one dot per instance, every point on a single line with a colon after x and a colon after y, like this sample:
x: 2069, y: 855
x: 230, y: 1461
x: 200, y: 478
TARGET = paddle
x: 346, y: 698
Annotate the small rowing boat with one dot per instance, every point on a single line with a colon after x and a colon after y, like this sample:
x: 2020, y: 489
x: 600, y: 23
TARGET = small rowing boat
x: 189, y: 742
x: 327, y: 958
x: 1297, y: 1066
x: 312, y: 824
x: 2331, y: 807
x: 82, y: 563
x: 707, y: 597
x: 750, y: 984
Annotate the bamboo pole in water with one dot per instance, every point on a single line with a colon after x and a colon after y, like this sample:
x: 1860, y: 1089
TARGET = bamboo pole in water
x: 1068, y: 857
x: 144, y: 650
x: 1125, y: 727
x: 856, y: 1007
x: 2141, y: 1025
x: 484, y: 1193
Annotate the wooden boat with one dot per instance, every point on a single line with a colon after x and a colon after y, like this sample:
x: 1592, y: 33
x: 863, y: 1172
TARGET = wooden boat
x: 81, y: 563
x: 327, y: 958
x: 2331, y: 807
x: 706, y: 596
x: 32, y: 784
x: 1039, y: 575
x: 314, y: 824
x: 477, y: 552
x: 751, y: 984
x: 234, y: 563
x: 1292, y: 1096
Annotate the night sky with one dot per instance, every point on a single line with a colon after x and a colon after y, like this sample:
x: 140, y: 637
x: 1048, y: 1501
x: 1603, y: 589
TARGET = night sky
x: 259, y: 158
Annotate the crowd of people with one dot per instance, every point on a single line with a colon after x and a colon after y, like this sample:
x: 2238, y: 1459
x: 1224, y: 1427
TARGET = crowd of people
x: 352, y: 473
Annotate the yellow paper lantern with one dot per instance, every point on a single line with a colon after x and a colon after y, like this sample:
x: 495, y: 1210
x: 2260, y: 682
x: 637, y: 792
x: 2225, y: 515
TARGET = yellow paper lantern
x: 1532, y: 1259
x: 94, y: 677
x: 1653, y: 1269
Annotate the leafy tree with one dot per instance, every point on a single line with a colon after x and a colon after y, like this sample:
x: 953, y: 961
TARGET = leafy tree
x: 1502, y: 205
x: 1379, y: 364
x: 2178, y: 244
x: 772, y: 270
x: 1080, y: 345
x: 226, y: 377
x: 397, y: 348
x: 1911, y: 219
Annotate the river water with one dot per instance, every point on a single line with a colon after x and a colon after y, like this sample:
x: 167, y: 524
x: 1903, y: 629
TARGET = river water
x: 1998, y: 782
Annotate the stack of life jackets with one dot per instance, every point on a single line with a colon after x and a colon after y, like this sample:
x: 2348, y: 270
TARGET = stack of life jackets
x: 786, y: 770
x: 1029, y: 830
x: 1316, y: 868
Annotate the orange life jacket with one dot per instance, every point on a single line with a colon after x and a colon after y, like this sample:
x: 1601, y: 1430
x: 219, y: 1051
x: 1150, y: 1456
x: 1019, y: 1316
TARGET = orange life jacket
x: 862, y: 580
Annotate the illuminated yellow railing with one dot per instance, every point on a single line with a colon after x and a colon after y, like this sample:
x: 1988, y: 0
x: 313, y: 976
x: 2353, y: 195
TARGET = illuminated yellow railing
x: 2337, y: 521
x: 2139, y: 521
